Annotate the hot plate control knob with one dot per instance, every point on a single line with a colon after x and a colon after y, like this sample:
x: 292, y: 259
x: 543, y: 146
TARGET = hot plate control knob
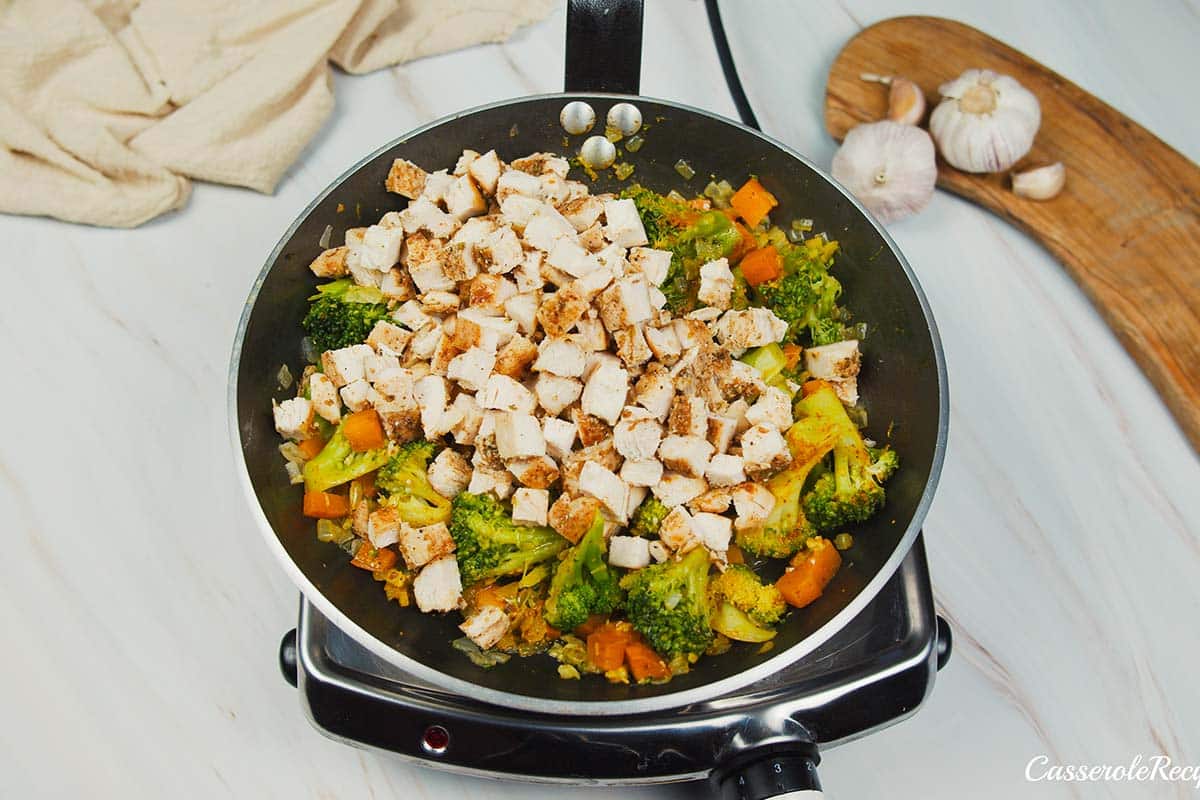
x: 287, y: 657
x: 780, y: 775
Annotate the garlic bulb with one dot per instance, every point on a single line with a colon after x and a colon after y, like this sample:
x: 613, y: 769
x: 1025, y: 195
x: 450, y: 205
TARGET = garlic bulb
x: 890, y: 167
x: 985, y: 122
x: 1040, y: 183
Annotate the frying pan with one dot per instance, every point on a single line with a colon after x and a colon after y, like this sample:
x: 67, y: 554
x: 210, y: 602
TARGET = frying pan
x: 903, y: 378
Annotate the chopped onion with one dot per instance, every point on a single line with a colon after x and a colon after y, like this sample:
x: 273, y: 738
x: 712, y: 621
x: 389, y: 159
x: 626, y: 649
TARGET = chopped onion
x: 291, y: 453
x: 308, y: 351
x: 294, y: 473
x: 685, y: 170
x: 325, y: 236
x: 634, y: 144
x: 284, y: 376
x: 480, y: 658
x: 623, y: 170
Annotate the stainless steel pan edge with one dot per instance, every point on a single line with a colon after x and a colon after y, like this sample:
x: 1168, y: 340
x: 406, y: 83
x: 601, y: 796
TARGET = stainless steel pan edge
x: 524, y: 702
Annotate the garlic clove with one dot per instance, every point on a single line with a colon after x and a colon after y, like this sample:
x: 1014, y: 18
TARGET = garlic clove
x: 985, y: 122
x: 1040, y: 183
x: 890, y: 167
x: 906, y: 102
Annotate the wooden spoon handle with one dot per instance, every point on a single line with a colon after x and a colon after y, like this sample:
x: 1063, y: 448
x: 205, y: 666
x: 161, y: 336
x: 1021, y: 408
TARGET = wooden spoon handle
x: 1127, y: 225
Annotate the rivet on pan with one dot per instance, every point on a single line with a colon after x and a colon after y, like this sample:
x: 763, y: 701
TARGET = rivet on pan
x: 598, y: 152
x: 577, y: 117
x: 626, y: 118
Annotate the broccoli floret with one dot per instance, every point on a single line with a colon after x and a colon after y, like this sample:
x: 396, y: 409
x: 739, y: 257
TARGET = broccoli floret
x: 668, y: 604
x: 405, y: 485
x: 805, y: 294
x: 851, y: 488
x: 647, y: 518
x: 343, y: 314
x: 338, y: 463
x: 740, y: 586
x: 582, y: 584
x: 489, y: 544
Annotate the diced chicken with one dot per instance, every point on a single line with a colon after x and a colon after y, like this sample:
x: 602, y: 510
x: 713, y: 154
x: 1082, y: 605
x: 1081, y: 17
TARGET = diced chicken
x: 439, y: 302
x: 522, y: 309
x: 471, y: 417
x: 519, y: 435
x: 752, y: 327
x: 593, y: 239
x: 546, y: 227
x: 692, y: 334
x: 560, y: 437
x: 838, y: 363
x: 489, y: 293
x: 397, y: 285
x: 604, y: 394
x: 528, y: 274
x: 591, y: 284
x: 689, y: 416
x: 497, y: 331
x: 572, y: 259
x: 324, y: 397
x: 294, y: 418
x: 664, y: 344
x: 589, y: 334
x: 439, y: 586
x: 485, y: 480
x: 572, y: 516
x: 423, y: 215
x: 436, y: 186
x: 331, y: 263
x: 592, y: 430
x: 612, y: 259
x: 764, y: 450
x: 383, y: 526
x: 449, y: 473
x: 625, y: 303
x: 531, y: 506
x: 715, y: 501
x: 659, y: 551
x: 486, y: 171
x: 560, y: 357
x: 519, y: 209
x: 675, y: 489
x: 432, y: 396
x: 515, y: 358
x: 637, y: 434
x: 713, y: 531
x: 406, y: 179
x: 542, y: 163
x: 471, y: 369
x: 724, y: 470
x: 716, y: 284
x: 486, y: 626
x: 429, y: 276
x: 606, y: 487
x: 629, y: 552
x: 741, y: 381
x: 773, y: 408
x: 594, y: 360
x: 582, y: 212
x: 424, y: 344
x: 420, y: 546
x: 658, y: 302
x: 561, y: 310
x: 412, y: 316
x: 721, y: 430
x: 463, y: 199
x: 515, y: 182
x: 346, y: 364
x: 380, y: 248
x: 753, y: 503
x: 654, y: 264
x: 358, y: 395
x: 538, y: 472
x: 634, y: 498
x: 555, y: 394
x: 502, y: 393
x: 686, y: 454
x: 676, y: 530
x: 463, y: 165
x: 632, y: 347
x: 624, y: 224
x: 388, y: 339
x: 654, y: 391
x: 642, y: 473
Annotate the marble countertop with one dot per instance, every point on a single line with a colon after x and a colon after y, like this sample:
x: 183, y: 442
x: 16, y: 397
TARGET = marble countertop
x: 141, y: 612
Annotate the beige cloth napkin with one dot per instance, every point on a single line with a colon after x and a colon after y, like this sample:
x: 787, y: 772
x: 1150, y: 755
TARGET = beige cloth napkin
x: 108, y: 107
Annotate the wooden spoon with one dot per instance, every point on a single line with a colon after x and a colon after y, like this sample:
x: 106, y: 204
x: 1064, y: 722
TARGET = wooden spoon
x: 1127, y: 225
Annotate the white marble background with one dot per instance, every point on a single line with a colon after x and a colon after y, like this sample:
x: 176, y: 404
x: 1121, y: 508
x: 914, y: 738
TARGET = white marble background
x: 140, y: 611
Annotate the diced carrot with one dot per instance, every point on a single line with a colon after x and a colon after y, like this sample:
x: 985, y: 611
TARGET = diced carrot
x: 810, y: 572
x: 591, y: 624
x: 753, y: 202
x: 734, y: 554
x: 371, y: 558
x: 645, y: 663
x: 792, y: 352
x: 489, y: 596
x: 746, y: 245
x: 761, y: 265
x: 310, y: 447
x: 814, y: 386
x: 364, y: 430
x: 324, y: 505
x: 606, y: 647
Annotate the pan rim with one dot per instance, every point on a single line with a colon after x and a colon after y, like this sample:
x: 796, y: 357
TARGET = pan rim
x: 543, y: 705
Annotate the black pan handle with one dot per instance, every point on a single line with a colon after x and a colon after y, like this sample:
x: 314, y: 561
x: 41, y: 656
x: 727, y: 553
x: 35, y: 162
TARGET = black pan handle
x: 790, y: 774
x: 604, y: 46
